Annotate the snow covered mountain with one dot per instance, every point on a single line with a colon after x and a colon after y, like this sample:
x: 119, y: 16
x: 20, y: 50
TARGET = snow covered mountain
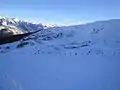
x: 21, y: 24
x: 78, y: 57
x: 98, y: 37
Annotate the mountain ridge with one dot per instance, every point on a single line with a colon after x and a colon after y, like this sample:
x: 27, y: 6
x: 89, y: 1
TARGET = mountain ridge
x: 100, y: 36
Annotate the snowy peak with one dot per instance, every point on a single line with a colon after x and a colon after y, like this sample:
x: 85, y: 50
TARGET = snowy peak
x: 8, y: 21
x: 27, y: 26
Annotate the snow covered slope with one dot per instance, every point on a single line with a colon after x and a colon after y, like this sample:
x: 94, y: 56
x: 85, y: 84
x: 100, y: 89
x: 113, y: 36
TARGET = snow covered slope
x: 93, y: 38
x: 80, y: 57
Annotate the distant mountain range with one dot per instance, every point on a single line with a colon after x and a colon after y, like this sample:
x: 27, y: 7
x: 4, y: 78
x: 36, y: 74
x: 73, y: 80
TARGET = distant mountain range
x: 19, y: 25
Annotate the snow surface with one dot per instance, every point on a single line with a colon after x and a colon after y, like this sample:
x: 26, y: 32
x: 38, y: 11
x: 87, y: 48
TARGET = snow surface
x: 81, y: 57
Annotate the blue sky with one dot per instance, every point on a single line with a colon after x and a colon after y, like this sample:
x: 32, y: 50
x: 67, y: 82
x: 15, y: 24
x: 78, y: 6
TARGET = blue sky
x: 61, y: 11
